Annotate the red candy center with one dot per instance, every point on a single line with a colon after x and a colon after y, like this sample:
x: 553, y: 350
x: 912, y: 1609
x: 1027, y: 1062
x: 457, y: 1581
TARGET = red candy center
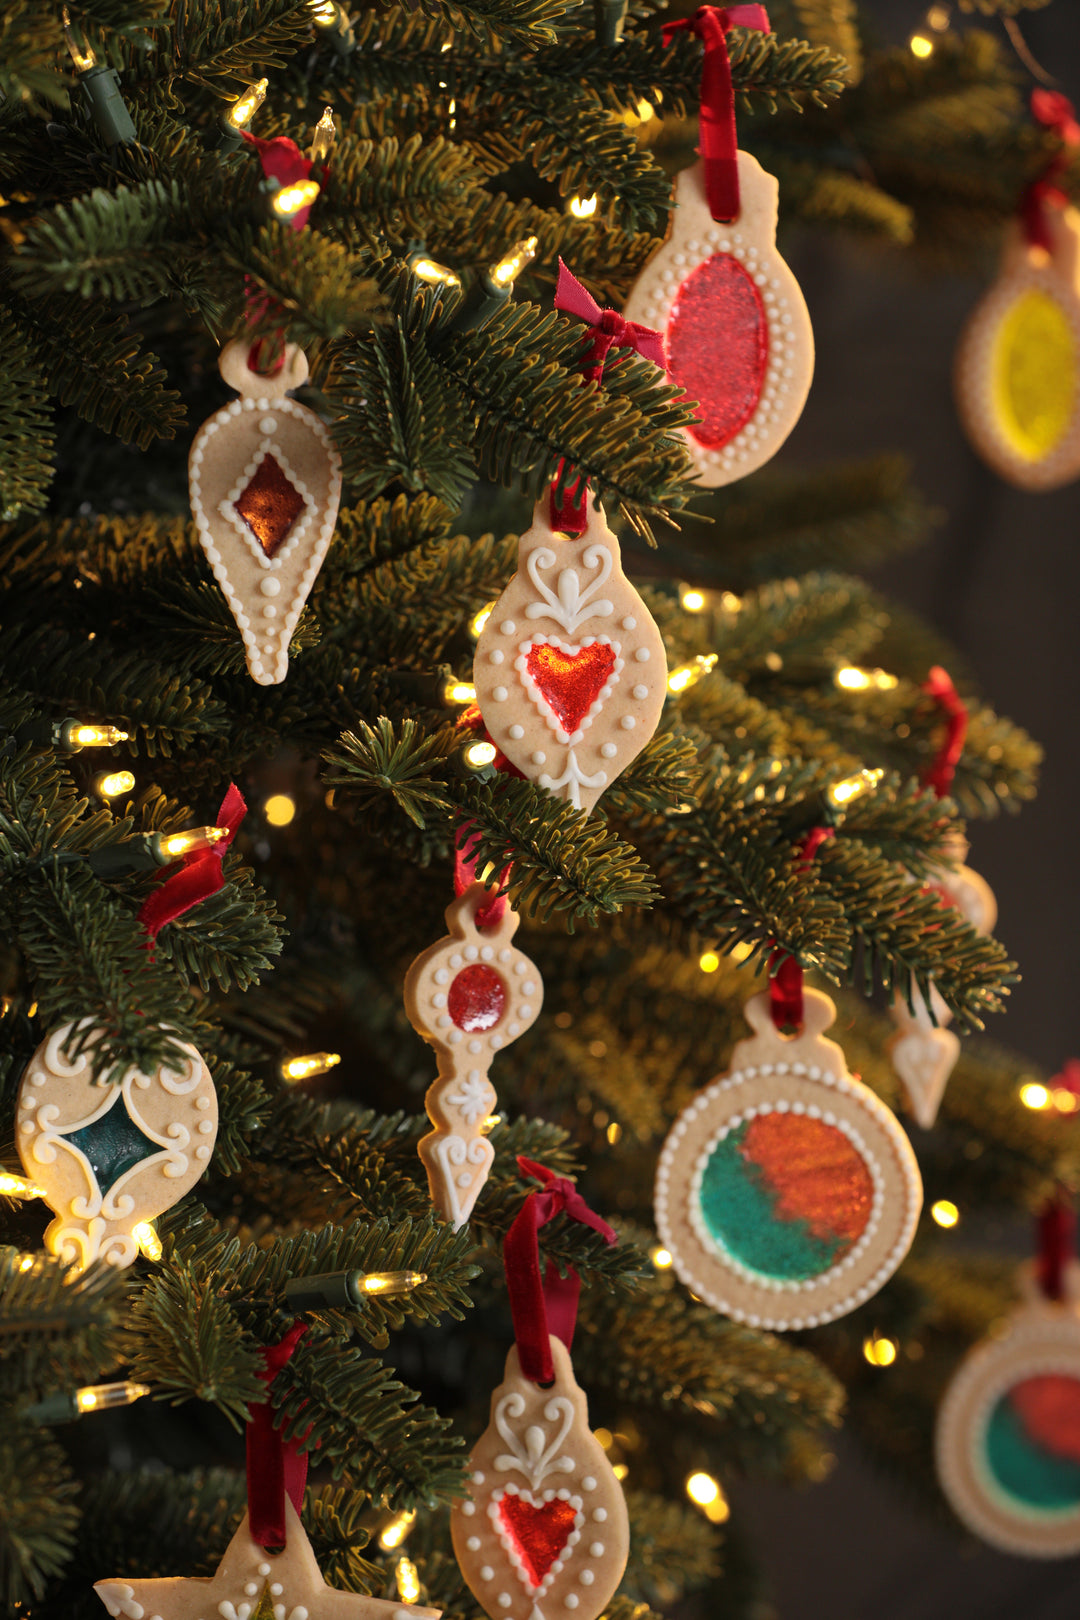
x: 477, y: 998
x: 570, y: 683
x: 270, y: 505
x: 539, y: 1533
x: 717, y: 347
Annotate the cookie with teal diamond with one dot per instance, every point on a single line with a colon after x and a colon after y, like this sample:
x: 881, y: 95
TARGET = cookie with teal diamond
x: 787, y: 1193
x: 1008, y: 1431
x: 110, y: 1157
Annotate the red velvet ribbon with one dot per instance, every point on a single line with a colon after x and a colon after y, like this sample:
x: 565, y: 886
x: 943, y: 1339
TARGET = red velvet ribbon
x: 1056, y: 1226
x: 494, y: 909
x: 544, y: 1305
x: 718, y: 140
x: 1055, y: 113
x: 786, y: 981
x: 199, y: 875
x: 939, y: 686
x: 276, y: 1468
x: 610, y: 330
x: 282, y: 160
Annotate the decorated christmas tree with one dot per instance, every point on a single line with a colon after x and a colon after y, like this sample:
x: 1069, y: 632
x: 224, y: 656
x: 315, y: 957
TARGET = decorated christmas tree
x: 269, y: 712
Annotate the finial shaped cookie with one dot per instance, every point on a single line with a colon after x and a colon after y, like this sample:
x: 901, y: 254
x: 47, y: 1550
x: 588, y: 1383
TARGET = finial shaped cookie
x: 469, y: 995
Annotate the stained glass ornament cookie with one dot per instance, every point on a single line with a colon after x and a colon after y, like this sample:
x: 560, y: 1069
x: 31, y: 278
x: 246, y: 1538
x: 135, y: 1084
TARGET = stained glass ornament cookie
x: 469, y: 995
x: 1008, y: 1434
x: 253, y: 1584
x: 1017, y: 374
x: 543, y: 1532
x: 924, y: 1052
x: 111, y: 1156
x: 265, y: 482
x: 787, y: 1193
x: 570, y: 671
x: 737, y: 334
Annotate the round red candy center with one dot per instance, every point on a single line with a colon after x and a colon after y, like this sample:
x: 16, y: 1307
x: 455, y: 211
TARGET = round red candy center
x: 477, y: 998
x: 717, y: 347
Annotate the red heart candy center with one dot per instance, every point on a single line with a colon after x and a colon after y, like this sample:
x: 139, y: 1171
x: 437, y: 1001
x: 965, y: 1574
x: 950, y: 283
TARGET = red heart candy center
x: 717, y: 347
x: 570, y: 683
x: 539, y: 1534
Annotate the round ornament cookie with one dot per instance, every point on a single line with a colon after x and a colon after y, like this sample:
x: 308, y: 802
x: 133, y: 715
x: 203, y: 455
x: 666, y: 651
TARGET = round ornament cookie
x: 1008, y: 1434
x: 265, y: 482
x: 787, y: 1194
x: 111, y: 1156
x: 1017, y: 374
x: 543, y: 1532
x: 736, y: 331
x: 570, y: 670
x: 469, y: 995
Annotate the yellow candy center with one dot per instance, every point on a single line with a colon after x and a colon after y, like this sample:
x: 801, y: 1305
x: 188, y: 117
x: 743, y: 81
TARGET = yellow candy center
x: 1034, y: 374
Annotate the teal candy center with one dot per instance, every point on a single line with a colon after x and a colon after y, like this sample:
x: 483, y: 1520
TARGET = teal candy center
x: 1024, y: 1469
x: 738, y: 1211
x: 112, y: 1144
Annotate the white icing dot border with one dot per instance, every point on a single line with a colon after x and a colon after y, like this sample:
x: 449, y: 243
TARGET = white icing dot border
x: 1040, y: 1340
x: 974, y: 379
x: 572, y: 649
x: 703, y: 1270
x: 778, y: 408
x: 268, y: 652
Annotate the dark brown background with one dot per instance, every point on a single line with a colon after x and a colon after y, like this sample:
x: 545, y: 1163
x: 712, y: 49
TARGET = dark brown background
x: 1002, y: 579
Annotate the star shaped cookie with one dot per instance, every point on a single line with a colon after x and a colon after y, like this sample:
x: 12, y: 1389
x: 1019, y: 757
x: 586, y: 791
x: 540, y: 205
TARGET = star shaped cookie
x: 253, y: 1584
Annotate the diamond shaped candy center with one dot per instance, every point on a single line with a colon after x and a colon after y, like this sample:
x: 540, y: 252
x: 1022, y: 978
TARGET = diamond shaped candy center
x: 113, y: 1143
x: 269, y: 505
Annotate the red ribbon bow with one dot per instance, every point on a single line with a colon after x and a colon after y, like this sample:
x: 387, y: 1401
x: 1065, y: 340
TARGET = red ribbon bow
x: 549, y: 1305
x: 718, y: 141
x: 200, y: 873
x: 610, y: 330
x: 1055, y: 113
x: 276, y: 1468
x: 940, y: 773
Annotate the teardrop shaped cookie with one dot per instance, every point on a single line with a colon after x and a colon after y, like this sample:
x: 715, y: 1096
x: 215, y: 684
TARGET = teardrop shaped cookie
x: 543, y: 1532
x: 570, y: 670
x: 265, y: 482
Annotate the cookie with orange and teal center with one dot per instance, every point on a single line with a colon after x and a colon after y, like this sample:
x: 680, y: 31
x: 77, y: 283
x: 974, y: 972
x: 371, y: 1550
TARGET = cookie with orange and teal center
x: 787, y: 1193
x: 1008, y: 1435
x: 787, y: 1196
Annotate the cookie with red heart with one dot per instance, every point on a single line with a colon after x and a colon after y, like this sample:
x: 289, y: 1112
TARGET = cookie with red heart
x: 544, y: 1528
x: 570, y: 670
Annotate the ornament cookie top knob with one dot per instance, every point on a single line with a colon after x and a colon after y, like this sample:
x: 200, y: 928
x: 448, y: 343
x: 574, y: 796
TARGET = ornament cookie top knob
x: 265, y: 482
x: 570, y: 670
x: 737, y: 334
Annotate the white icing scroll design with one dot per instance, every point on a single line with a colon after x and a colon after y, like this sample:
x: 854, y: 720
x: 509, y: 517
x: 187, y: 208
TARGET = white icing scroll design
x: 568, y: 607
x: 532, y: 1454
x: 454, y: 1153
